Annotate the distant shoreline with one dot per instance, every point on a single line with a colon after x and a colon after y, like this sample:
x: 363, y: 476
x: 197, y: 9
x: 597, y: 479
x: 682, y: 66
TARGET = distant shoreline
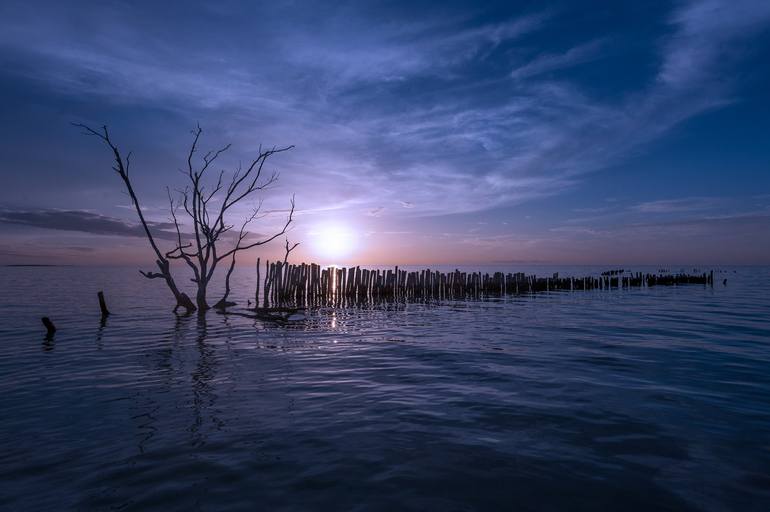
x: 34, y: 265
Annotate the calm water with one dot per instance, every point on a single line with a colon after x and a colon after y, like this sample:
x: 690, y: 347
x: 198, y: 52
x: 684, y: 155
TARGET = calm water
x: 643, y: 399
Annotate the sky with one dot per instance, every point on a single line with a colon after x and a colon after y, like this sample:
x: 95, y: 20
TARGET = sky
x: 424, y: 132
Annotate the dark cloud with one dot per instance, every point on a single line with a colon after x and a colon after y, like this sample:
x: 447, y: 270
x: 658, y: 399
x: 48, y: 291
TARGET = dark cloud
x: 84, y: 222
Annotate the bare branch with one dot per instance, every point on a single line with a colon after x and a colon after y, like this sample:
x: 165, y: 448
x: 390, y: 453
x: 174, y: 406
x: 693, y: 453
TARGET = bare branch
x: 200, y: 250
x: 152, y: 275
x: 288, y: 250
x: 269, y: 239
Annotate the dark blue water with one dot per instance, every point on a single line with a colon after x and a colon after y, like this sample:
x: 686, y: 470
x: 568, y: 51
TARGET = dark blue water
x: 645, y: 399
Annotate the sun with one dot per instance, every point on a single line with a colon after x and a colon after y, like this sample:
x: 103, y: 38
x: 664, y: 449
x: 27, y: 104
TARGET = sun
x: 334, y: 241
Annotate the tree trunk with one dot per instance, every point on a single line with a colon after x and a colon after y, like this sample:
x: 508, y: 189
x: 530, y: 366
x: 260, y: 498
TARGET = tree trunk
x: 223, y: 302
x: 182, y: 300
x: 200, y: 296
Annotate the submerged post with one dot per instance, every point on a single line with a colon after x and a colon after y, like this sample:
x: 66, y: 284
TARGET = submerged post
x: 49, y: 326
x: 103, y: 305
x: 256, y: 294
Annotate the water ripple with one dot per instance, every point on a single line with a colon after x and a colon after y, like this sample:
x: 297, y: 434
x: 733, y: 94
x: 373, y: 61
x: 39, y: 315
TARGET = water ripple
x: 635, y: 399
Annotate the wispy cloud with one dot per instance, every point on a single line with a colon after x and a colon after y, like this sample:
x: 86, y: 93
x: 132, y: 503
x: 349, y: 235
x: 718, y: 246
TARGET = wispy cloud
x: 681, y: 205
x: 704, y: 33
x: 559, y: 61
x: 397, y: 52
x: 443, y: 113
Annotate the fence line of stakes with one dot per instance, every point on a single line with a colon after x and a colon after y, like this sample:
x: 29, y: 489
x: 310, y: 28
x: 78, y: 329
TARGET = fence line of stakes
x: 297, y: 286
x: 303, y: 285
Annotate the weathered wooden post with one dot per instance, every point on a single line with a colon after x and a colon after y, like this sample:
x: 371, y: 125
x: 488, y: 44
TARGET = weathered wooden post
x: 266, y: 293
x: 49, y: 326
x: 256, y: 293
x: 103, y: 305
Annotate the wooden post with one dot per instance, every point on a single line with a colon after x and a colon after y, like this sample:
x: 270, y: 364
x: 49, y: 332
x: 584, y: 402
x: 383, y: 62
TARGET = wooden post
x: 266, y: 293
x: 102, y: 305
x: 256, y: 293
x: 49, y: 326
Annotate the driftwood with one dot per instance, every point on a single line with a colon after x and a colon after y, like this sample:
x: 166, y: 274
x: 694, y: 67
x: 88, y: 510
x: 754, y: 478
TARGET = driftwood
x: 278, y: 315
x: 223, y: 304
x: 268, y: 311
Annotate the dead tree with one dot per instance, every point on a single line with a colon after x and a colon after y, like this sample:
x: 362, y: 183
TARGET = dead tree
x: 202, y: 250
x: 122, y: 166
x: 210, y: 224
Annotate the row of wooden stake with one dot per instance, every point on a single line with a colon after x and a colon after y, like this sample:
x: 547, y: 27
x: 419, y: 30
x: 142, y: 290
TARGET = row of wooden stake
x: 286, y: 284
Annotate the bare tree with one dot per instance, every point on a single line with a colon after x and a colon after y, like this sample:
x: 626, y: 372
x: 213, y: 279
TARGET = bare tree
x: 288, y: 250
x: 122, y: 167
x: 202, y: 249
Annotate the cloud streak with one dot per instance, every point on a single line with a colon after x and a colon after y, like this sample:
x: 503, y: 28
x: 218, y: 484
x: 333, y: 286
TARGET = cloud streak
x: 84, y: 222
x: 682, y: 205
x: 560, y: 61
x: 406, y: 105
x: 400, y: 115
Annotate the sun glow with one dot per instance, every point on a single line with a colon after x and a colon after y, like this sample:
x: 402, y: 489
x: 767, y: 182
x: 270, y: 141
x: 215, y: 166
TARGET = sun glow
x: 334, y: 241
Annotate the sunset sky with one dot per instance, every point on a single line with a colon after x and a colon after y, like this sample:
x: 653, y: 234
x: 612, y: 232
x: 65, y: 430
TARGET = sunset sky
x: 444, y: 132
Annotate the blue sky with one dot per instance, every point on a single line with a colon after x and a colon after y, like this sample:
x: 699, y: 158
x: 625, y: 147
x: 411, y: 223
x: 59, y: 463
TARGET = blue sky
x: 444, y: 132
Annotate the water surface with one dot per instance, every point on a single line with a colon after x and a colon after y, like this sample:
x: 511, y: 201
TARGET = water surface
x: 635, y: 399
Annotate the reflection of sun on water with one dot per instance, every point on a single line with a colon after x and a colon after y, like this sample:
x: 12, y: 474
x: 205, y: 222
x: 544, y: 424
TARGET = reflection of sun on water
x: 333, y: 241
